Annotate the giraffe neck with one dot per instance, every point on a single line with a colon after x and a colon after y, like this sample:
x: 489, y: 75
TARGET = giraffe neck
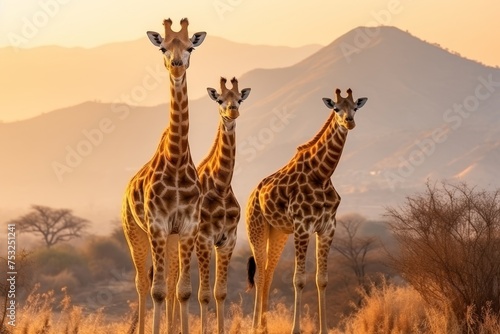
x: 175, y: 141
x: 221, y: 159
x: 327, y: 149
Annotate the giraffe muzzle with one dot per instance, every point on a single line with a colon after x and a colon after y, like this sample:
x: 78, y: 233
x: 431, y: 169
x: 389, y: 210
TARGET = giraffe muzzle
x: 176, y: 63
x: 233, y: 113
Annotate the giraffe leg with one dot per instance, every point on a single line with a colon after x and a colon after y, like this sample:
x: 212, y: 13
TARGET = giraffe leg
x: 138, y: 244
x: 223, y: 257
x: 158, y: 286
x: 186, y: 245
x: 172, y: 278
x: 301, y: 241
x: 275, y: 245
x: 258, y: 233
x: 204, y: 246
x: 323, y: 243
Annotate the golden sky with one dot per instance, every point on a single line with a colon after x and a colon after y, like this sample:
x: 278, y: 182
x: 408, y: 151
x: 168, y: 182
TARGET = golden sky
x: 468, y: 27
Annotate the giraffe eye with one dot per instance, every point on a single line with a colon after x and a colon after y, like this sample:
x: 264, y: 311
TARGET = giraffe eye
x: 336, y: 109
x: 239, y: 101
x: 190, y: 49
x: 162, y: 49
x: 219, y: 101
x: 355, y: 109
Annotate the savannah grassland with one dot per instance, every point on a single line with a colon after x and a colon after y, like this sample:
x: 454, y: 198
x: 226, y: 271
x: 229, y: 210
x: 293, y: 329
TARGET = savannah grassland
x: 433, y: 268
x: 388, y: 309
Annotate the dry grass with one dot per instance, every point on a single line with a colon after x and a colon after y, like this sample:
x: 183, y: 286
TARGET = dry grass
x: 43, y: 314
x: 386, y: 309
x: 393, y: 309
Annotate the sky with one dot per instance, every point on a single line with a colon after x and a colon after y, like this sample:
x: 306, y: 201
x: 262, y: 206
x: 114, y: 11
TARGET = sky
x: 467, y: 27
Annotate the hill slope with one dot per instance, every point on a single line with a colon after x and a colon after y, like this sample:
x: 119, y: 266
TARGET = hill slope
x: 46, y: 78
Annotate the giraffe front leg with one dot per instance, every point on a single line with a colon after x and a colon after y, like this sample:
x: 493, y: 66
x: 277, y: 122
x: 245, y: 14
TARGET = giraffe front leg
x: 204, y: 246
x: 172, y: 279
x: 301, y: 241
x: 158, y: 287
x: 323, y: 244
x: 184, y: 289
x: 223, y: 257
x: 138, y: 244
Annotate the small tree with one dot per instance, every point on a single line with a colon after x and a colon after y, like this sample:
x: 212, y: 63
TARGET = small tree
x: 449, y: 238
x: 353, y: 248
x: 54, y: 225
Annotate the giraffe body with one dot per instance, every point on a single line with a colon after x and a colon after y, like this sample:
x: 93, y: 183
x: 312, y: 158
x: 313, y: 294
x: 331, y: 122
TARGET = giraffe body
x: 220, y: 211
x: 299, y: 199
x: 163, y: 198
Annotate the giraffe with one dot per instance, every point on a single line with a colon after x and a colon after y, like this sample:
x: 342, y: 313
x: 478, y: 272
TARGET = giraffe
x: 220, y: 211
x: 163, y: 198
x: 299, y: 199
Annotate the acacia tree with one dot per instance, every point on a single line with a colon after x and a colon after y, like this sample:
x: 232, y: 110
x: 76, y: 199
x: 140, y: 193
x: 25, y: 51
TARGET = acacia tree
x: 53, y: 225
x: 353, y: 248
x: 449, y: 239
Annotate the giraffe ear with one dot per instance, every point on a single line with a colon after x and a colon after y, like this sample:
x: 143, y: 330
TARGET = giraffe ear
x: 198, y: 38
x: 361, y: 102
x: 213, y: 93
x: 329, y: 103
x: 244, y: 93
x: 155, y: 38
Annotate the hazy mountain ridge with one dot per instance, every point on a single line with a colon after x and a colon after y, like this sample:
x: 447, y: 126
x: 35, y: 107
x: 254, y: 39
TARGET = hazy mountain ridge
x: 407, y: 132
x: 128, y: 72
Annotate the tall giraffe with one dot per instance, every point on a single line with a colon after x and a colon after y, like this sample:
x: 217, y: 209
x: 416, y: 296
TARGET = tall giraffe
x: 163, y: 198
x: 220, y: 211
x: 299, y: 199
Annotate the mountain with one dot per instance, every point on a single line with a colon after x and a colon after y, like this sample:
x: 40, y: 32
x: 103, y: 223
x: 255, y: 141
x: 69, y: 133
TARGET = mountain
x: 42, y: 79
x: 430, y: 114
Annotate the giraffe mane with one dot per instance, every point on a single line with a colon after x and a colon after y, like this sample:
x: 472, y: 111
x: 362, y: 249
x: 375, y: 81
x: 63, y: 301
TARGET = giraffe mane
x: 212, y: 150
x: 316, y: 138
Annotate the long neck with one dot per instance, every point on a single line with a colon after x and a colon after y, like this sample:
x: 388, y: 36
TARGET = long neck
x: 220, y: 162
x: 327, y: 148
x: 175, y: 141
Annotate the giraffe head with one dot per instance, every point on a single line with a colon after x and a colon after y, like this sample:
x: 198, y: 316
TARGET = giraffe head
x: 229, y: 100
x: 176, y: 46
x: 345, y: 108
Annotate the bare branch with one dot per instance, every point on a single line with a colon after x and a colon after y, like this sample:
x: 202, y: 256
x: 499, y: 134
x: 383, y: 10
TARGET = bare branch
x: 54, y: 225
x: 449, y: 237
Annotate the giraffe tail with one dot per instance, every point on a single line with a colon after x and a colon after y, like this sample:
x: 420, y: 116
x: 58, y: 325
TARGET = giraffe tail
x: 251, y: 269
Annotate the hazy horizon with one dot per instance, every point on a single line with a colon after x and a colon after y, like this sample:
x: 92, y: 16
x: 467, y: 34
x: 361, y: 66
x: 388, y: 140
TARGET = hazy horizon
x: 67, y: 23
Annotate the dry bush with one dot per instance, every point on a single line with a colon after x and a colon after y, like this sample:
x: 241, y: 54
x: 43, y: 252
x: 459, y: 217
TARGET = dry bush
x: 449, y: 239
x: 400, y: 310
x: 54, y: 261
x: 65, y: 278
x: 105, y: 254
x: 397, y: 310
